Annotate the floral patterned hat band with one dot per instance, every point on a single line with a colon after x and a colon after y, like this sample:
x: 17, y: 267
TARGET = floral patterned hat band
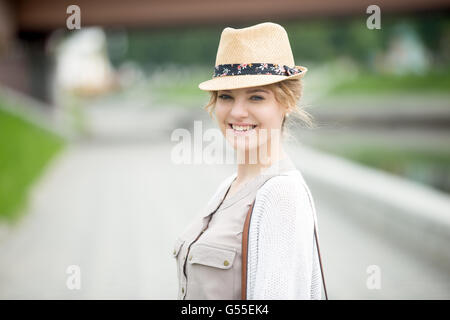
x: 235, y: 69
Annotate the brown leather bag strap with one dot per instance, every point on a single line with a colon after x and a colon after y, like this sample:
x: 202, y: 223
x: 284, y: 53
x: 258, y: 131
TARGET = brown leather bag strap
x: 320, y: 262
x: 245, y: 254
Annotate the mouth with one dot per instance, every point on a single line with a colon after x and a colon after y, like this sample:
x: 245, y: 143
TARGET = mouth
x: 242, y: 129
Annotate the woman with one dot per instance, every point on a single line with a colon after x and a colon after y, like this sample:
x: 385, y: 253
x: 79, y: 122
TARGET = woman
x: 254, y: 88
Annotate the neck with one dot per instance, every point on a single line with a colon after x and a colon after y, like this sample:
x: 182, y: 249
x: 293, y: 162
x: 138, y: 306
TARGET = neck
x: 248, y: 170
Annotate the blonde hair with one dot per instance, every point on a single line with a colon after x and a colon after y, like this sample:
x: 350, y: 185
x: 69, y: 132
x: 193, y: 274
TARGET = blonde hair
x: 287, y: 93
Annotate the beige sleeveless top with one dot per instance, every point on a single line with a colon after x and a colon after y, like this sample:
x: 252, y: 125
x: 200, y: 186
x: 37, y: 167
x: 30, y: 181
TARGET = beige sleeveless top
x: 208, y: 252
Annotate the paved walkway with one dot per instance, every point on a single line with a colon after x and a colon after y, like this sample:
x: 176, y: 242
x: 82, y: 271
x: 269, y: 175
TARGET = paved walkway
x: 115, y: 212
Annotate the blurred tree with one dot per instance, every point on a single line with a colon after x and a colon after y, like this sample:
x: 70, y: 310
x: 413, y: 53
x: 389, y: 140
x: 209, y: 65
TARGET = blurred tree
x: 311, y: 40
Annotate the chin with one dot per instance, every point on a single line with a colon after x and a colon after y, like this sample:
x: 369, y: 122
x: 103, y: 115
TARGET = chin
x: 246, y: 144
x: 245, y: 147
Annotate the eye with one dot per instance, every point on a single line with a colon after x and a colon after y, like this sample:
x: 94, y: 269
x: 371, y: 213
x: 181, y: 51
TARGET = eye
x: 224, y: 97
x: 258, y: 98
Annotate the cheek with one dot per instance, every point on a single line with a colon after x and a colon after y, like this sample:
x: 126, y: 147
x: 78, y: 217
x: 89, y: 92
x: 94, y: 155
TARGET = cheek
x: 217, y: 112
x: 269, y: 117
x: 221, y: 114
x: 271, y: 122
x: 219, y: 109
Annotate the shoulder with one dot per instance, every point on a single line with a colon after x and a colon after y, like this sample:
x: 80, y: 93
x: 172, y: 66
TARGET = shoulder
x: 222, y: 185
x: 227, y: 181
x: 289, y: 187
x: 284, y: 204
x: 284, y: 196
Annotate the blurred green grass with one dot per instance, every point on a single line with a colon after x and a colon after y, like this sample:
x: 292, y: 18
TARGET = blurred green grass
x: 182, y: 94
x: 429, y: 167
x: 180, y: 90
x: 373, y: 84
x: 25, y: 149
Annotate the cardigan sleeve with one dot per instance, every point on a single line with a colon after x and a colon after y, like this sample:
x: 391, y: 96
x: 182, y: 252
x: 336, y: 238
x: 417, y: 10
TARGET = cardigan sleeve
x: 281, y: 249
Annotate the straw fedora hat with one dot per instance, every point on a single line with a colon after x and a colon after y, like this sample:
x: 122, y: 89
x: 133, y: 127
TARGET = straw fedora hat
x: 253, y: 56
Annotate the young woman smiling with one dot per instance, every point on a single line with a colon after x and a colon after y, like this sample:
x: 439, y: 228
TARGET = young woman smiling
x: 255, y: 86
x: 258, y: 113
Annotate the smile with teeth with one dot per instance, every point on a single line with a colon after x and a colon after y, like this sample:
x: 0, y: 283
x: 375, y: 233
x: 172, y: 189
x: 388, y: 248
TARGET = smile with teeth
x: 237, y: 128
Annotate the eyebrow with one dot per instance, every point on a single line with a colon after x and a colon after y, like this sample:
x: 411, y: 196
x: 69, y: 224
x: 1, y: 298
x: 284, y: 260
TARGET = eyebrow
x: 250, y: 91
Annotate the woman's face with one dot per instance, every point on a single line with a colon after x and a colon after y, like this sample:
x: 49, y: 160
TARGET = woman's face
x: 258, y: 113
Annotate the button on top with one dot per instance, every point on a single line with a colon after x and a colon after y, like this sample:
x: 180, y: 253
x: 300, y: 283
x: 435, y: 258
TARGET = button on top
x: 190, y: 258
x: 225, y: 263
x: 174, y: 251
x: 182, y: 290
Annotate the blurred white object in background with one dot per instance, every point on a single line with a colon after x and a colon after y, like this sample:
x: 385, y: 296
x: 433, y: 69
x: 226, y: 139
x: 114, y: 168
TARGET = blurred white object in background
x: 83, y: 65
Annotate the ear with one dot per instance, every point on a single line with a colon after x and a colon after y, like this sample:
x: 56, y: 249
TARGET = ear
x: 285, y: 110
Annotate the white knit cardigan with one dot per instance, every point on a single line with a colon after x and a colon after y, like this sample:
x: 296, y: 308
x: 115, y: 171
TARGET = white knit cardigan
x: 283, y: 261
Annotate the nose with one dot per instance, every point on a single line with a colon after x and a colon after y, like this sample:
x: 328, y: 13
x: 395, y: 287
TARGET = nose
x: 239, y: 109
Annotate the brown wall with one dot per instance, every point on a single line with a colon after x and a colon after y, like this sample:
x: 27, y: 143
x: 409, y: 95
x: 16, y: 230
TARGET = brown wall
x: 50, y: 14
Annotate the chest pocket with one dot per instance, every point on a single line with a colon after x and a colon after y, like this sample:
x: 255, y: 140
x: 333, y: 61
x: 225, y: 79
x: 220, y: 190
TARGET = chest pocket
x: 210, y: 272
x: 211, y: 256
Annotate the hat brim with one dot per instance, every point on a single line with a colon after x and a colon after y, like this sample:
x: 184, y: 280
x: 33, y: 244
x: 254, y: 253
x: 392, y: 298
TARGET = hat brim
x: 246, y: 81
